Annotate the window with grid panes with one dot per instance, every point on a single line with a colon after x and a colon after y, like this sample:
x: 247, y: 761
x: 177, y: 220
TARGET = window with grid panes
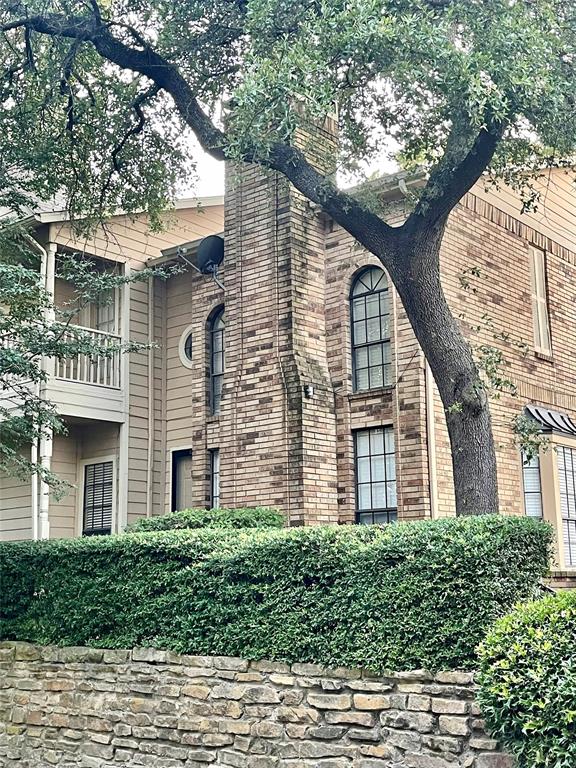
x: 375, y: 475
x: 98, y: 498
x: 216, y: 360
x: 370, y: 318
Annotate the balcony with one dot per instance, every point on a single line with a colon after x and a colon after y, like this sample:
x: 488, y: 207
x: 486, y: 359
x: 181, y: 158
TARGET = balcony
x: 99, y: 369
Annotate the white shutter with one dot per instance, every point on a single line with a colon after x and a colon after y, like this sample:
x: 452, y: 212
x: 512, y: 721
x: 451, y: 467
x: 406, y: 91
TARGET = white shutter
x: 539, y: 301
x: 567, y: 478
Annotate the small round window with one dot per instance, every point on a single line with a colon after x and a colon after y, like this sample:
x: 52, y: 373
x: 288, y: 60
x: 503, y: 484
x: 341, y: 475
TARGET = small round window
x: 185, y: 347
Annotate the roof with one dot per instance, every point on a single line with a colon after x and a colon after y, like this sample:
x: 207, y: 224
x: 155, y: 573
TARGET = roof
x: 48, y: 212
x: 552, y: 421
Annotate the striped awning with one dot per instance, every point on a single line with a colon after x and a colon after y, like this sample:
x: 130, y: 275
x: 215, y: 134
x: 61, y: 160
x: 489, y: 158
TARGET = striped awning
x: 552, y: 421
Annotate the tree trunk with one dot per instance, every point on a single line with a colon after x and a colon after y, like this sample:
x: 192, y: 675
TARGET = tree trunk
x: 416, y: 275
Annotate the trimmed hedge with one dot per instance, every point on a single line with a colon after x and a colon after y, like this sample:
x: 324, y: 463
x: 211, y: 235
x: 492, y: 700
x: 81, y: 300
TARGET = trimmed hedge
x: 528, y: 682
x: 246, y: 517
x: 398, y: 596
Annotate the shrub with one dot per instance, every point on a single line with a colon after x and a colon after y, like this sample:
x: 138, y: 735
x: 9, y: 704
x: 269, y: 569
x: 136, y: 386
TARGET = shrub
x: 528, y: 682
x: 399, y: 596
x: 248, y: 517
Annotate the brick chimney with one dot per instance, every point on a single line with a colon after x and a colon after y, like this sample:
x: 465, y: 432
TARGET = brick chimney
x: 278, y: 423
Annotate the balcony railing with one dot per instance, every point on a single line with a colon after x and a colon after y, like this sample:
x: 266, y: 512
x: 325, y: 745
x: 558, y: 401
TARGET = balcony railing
x: 102, y: 369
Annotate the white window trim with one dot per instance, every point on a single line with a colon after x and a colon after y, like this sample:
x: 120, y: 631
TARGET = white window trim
x: 181, y: 353
x: 171, y: 451
x: 80, y: 485
x: 540, y: 316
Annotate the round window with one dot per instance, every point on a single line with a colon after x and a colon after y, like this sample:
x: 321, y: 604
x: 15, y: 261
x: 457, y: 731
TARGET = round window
x: 185, y: 347
x: 188, y: 347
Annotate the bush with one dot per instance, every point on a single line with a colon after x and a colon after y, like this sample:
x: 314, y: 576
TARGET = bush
x: 528, y: 682
x: 399, y: 596
x: 248, y: 517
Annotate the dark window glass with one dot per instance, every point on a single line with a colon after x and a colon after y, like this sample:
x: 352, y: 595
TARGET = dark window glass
x: 370, y: 318
x: 216, y: 360
x: 375, y: 475
x: 188, y: 347
x: 181, y: 479
x: 215, y: 479
x: 98, y: 498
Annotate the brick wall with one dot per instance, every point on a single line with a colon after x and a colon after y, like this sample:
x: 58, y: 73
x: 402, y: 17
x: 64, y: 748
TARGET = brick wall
x: 85, y: 707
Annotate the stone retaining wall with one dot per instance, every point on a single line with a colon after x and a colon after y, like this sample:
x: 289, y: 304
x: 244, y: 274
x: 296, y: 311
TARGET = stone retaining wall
x: 97, y: 709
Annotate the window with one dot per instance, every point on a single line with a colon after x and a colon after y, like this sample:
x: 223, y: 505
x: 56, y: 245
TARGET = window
x: 215, y: 479
x: 216, y: 360
x: 106, y: 311
x: 375, y: 475
x: 370, y: 317
x: 186, y: 346
x: 540, y: 318
x: 98, y: 498
x: 567, y: 477
x: 532, y: 486
x: 181, y: 479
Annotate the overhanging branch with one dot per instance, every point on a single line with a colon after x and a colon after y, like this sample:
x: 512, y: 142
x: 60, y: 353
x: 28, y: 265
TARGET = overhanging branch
x: 451, y: 178
x: 369, y: 229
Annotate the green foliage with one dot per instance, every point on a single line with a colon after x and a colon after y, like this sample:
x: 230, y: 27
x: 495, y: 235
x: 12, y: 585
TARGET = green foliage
x: 249, y: 517
x: 528, y: 682
x: 404, y: 73
x: 398, y: 596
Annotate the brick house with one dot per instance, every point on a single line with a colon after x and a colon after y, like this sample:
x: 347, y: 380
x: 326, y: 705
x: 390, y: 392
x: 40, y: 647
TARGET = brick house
x: 295, y: 380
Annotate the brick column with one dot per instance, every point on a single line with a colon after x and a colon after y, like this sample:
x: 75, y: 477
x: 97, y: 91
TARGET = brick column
x: 278, y: 443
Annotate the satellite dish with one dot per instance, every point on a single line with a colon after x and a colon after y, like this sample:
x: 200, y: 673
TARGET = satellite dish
x: 210, y: 254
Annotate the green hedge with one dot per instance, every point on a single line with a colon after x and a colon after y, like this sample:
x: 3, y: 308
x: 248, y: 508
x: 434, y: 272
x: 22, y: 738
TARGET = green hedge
x: 398, y: 596
x: 247, y: 517
x: 528, y: 682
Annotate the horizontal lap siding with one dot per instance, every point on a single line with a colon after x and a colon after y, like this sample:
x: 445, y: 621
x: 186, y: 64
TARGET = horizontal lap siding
x: 63, y: 512
x: 15, y: 509
x: 131, y: 241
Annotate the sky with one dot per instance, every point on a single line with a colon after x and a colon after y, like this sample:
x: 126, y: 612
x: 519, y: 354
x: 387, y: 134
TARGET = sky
x: 210, y: 180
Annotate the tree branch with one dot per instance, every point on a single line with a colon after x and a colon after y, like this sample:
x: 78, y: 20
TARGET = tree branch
x: 370, y: 230
x: 451, y: 178
x: 147, y: 62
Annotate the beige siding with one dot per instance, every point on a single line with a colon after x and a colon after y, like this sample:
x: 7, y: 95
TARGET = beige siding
x: 555, y: 216
x: 15, y: 509
x: 62, y: 513
x: 98, y: 440
x: 130, y: 241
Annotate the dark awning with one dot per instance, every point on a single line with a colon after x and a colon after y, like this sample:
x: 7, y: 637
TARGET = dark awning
x: 552, y: 421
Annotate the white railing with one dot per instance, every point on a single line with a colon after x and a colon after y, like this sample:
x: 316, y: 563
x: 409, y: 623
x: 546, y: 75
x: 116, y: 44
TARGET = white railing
x: 102, y: 369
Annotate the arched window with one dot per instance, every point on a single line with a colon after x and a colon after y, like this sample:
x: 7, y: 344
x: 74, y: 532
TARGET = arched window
x: 370, y: 315
x: 216, y: 359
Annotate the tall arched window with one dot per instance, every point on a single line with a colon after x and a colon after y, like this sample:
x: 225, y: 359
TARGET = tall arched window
x: 370, y: 315
x: 216, y: 360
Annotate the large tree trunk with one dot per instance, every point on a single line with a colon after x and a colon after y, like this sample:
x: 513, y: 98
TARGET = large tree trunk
x: 416, y: 275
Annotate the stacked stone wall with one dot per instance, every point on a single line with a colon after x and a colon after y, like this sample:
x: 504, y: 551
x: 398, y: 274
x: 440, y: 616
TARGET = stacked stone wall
x: 94, y: 708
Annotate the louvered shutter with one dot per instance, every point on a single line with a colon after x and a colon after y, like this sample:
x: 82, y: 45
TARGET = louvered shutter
x: 98, y: 498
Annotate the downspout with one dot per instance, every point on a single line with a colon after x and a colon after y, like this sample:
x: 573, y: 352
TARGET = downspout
x: 34, y: 448
x: 150, y: 457
x: 431, y: 441
x: 46, y: 442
